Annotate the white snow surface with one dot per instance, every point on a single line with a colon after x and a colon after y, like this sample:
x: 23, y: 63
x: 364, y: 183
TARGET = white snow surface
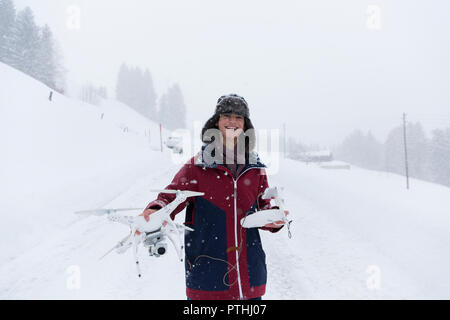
x: 357, y: 234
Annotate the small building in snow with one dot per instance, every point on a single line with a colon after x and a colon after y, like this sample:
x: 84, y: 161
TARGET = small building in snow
x: 316, y: 156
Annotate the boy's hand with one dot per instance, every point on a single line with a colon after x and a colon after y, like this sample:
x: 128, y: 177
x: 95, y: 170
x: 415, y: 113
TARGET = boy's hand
x: 277, y: 224
x: 146, y: 214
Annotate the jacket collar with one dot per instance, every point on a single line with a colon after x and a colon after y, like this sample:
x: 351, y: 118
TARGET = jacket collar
x: 254, y: 161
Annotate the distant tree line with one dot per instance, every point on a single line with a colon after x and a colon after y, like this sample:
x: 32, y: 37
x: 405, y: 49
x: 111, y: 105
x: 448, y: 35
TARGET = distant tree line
x: 92, y: 94
x: 428, y: 158
x: 172, y: 110
x: 28, y: 47
x: 295, y: 148
x: 136, y: 89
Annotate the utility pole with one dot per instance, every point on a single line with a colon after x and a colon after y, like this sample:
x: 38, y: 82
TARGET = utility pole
x: 284, y: 139
x: 406, y: 151
x: 160, y: 136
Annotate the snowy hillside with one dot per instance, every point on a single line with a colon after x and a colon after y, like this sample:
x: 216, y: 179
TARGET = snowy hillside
x: 58, y: 156
x: 357, y: 234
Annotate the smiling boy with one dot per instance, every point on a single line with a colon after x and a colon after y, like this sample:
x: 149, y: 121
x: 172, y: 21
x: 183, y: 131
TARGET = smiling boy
x: 224, y: 261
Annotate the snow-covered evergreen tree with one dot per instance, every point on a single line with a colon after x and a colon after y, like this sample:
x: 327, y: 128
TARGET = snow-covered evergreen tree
x: 92, y: 94
x: 417, y: 148
x: 60, y: 69
x: 176, y: 99
x: 149, y: 96
x: 7, y: 19
x: 172, y: 109
x: 24, y: 44
x: 26, y: 47
x: 373, y: 152
x: 121, y: 89
x: 45, y: 59
x: 164, y: 116
x: 361, y: 150
x: 135, y: 88
x: 394, y: 151
x: 440, y: 156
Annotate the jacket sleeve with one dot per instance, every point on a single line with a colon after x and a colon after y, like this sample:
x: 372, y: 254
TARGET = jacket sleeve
x: 183, y: 180
x: 264, y: 204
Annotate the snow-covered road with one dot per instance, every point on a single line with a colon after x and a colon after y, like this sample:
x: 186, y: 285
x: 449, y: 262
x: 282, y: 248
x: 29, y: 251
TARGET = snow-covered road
x: 324, y: 259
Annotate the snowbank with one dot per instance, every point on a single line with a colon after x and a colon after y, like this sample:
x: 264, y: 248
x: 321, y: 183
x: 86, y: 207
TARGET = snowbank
x: 62, y: 155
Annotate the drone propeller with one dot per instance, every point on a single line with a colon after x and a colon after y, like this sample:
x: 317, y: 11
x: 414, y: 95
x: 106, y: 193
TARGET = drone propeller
x: 185, y: 193
x: 165, y: 191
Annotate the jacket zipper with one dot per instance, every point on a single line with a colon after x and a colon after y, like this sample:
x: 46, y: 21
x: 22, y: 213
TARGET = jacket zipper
x: 236, y: 240
x: 241, y: 296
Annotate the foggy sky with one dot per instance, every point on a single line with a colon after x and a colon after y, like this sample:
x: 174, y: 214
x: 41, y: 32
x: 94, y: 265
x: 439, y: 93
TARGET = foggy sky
x: 314, y: 65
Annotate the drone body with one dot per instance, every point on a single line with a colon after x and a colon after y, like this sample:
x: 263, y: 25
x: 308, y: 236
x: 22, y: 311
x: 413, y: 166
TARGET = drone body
x: 264, y: 217
x: 152, y: 233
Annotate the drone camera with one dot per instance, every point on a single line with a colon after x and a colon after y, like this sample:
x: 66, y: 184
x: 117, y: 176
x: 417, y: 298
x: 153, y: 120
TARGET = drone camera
x: 161, y: 250
x: 155, y: 241
x: 157, y: 249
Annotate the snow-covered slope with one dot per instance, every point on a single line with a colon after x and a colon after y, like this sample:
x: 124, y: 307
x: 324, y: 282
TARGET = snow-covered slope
x: 59, y: 155
x: 356, y: 233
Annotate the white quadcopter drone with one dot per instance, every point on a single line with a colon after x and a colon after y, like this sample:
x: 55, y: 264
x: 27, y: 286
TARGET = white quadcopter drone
x: 152, y: 233
x: 264, y: 217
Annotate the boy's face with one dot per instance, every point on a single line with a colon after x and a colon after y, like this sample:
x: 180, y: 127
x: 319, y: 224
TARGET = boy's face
x: 231, y: 125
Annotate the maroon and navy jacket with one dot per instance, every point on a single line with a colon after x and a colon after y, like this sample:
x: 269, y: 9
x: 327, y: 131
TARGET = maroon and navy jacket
x: 223, y: 260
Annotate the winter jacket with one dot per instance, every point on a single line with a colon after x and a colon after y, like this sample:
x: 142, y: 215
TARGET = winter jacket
x: 218, y: 241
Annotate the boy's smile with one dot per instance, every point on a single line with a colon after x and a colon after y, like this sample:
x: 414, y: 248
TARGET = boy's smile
x: 231, y: 125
